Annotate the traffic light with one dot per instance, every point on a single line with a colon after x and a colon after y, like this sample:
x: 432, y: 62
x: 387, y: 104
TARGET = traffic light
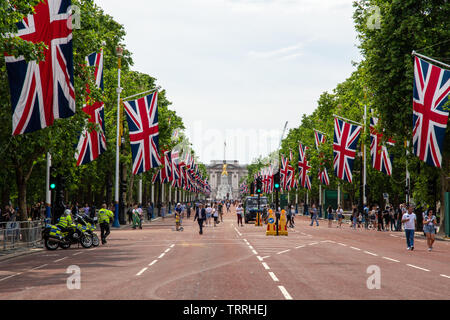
x: 258, y: 186
x: 276, y: 181
x: 252, y: 187
x: 53, y: 180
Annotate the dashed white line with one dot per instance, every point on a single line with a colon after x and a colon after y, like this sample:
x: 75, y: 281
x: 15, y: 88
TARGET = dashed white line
x: 273, y: 276
x: 167, y: 250
x: 313, y: 243
x: 161, y: 255
x: 75, y: 254
x: 254, y: 251
x: 40, y: 267
x: 285, y: 293
x: 354, y: 248
x: 266, y: 257
x: 413, y: 266
x: 251, y: 247
x: 265, y: 266
x: 237, y: 231
x: 60, y: 259
x: 259, y: 258
x: 341, y: 244
x: 371, y: 253
x: 302, y: 246
x: 390, y: 259
x: 443, y: 275
x: 141, y: 272
x: 153, y: 262
x: 13, y: 275
x: 284, y: 251
x: 172, y: 245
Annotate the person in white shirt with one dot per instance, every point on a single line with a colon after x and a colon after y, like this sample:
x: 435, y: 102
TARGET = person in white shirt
x: 208, y: 214
x: 239, y: 213
x: 409, y: 221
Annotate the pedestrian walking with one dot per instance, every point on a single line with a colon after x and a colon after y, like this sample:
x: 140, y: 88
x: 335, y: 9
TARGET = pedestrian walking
x: 188, y: 210
x: 366, y: 217
x: 373, y: 218
x: 314, y: 215
x: 392, y: 218
x: 208, y: 214
x: 387, y: 218
x: 292, y: 216
x: 200, y: 216
x: 340, y: 216
x: 429, y: 226
x: 380, y: 219
x: 228, y: 206
x: 215, y: 215
x: 104, y: 218
x: 220, y: 207
x: 409, y: 220
x: 289, y: 218
x: 354, y: 217
x: 130, y: 214
x: 239, y: 214
x: 150, y: 211
x: 136, y: 217
x: 330, y: 216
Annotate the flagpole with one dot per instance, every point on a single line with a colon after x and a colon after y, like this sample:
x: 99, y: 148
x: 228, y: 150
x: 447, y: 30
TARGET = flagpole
x: 355, y: 122
x: 119, y: 52
x: 364, y: 155
x: 140, y: 190
x: 431, y: 59
x: 48, y: 193
x: 407, y: 174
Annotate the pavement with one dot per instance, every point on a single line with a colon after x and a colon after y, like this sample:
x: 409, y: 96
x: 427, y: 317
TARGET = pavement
x: 230, y: 262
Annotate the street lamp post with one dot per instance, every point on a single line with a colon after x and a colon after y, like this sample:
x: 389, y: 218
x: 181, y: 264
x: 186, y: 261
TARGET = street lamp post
x: 119, y: 52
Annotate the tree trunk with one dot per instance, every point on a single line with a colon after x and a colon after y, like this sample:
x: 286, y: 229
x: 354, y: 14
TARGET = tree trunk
x: 22, y: 190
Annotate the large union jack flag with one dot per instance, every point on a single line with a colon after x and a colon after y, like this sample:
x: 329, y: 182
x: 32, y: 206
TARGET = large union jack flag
x: 42, y: 92
x: 346, y: 137
x: 431, y: 90
x: 320, y: 139
x: 284, y: 172
x: 304, y: 167
x: 92, y: 141
x: 380, y: 155
x: 142, y: 118
x: 164, y: 174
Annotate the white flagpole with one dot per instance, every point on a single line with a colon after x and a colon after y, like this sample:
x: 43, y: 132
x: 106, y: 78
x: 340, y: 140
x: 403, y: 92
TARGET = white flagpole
x: 428, y: 58
x: 365, y: 162
x: 407, y: 174
x: 48, y: 192
x: 153, y: 195
x: 339, y: 194
x: 119, y: 90
x: 140, y: 189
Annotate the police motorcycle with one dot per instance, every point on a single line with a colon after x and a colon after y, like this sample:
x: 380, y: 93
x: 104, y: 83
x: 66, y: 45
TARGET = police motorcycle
x: 54, y: 237
x: 88, y: 225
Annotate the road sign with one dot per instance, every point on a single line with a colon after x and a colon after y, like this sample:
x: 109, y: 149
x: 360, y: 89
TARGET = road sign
x: 386, y: 196
x: 271, y: 220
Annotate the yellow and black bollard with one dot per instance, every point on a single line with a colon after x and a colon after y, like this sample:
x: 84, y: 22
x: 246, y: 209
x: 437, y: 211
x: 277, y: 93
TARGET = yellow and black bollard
x: 258, y: 221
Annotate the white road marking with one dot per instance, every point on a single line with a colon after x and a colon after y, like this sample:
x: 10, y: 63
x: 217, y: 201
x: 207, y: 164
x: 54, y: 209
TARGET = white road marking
x: 172, y: 245
x: 372, y: 254
x: 13, y: 275
x: 265, y: 266
x: 237, y: 231
x: 341, y: 244
x: 274, y: 277
x: 254, y: 252
x: 259, y: 258
x: 443, y: 275
x: 390, y: 259
x: 355, y: 248
x: 153, y: 262
x: 331, y: 241
x: 40, y: 267
x: 413, y: 266
x: 251, y: 247
x: 167, y: 250
x: 285, y: 293
x: 266, y: 257
x: 284, y: 251
x: 302, y: 246
x: 313, y: 243
x: 75, y: 254
x: 161, y: 255
x: 141, y: 272
x: 60, y: 259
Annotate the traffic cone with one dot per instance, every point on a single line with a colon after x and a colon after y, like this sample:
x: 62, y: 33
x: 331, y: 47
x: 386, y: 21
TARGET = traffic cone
x: 282, y: 225
x: 271, y: 231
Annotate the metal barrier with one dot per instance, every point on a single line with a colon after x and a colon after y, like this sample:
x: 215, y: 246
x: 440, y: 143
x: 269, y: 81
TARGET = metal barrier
x: 20, y: 234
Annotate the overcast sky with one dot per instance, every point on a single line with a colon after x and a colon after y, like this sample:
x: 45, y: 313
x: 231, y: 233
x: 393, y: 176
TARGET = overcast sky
x: 237, y: 70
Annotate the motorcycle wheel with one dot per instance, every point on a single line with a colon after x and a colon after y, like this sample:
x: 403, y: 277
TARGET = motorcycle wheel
x: 95, y: 240
x: 86, y: 242
x: 64, y: 245
x: 50, y: 244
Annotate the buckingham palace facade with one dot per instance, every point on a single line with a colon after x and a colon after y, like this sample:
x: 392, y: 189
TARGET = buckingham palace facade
x: 233, y: 171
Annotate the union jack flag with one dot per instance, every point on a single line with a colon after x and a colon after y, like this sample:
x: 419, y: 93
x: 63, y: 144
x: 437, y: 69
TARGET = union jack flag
x: 142, y: 118
x: 164, y: 174
x: 431, y: 90
x: 175, y: 172
x: 346, y: 138
x: 303, y: 166
x: 323, y: 173
x: 42, y: 92
x: 380, y: 156
x: 284, y: 173
x: 292, y: 182
x: 92, y: 141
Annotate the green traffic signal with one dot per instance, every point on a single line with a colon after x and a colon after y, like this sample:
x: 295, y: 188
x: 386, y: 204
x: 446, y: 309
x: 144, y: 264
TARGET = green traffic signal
x: 277, y: 185
x: 52, y: 186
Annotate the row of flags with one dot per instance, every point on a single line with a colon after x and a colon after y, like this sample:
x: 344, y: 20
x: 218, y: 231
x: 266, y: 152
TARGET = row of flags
x: 42, y: 92
x: 431, y: 91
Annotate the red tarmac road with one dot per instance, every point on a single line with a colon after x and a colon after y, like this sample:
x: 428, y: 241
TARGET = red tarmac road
x: 234, y: 263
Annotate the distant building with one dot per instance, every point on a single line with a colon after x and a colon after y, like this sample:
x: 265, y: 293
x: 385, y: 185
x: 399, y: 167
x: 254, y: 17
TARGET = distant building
x: 225, y: 182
